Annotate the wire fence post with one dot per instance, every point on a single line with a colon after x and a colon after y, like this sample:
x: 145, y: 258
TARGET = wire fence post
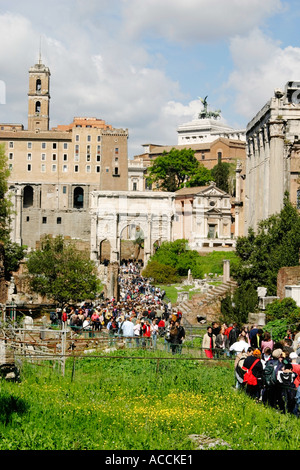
x: 63, y: 349
x: 73, y: 369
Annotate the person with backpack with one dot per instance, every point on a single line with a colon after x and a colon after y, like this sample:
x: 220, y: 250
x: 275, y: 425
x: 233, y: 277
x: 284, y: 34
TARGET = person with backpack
x: 270, y: 393
x: 113, y: 328
x: 253, y: 378
x: 286, y: 377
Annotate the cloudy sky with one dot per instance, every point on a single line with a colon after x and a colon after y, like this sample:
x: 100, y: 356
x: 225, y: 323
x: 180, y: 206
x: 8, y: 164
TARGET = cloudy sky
x: 143, y: 64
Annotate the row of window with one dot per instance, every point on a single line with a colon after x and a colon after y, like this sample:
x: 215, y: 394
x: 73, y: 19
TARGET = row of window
x: 65, y: 157
x: 78, y: 197
x: 65, y: 169
x: 54, y: 145
x: 44, y: 220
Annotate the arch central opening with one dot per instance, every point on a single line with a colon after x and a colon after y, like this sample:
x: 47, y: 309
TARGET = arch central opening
x: 132, y: 240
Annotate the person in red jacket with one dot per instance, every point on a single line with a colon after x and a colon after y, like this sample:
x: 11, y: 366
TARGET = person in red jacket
x: 146, y: 333
x: 64, y: 317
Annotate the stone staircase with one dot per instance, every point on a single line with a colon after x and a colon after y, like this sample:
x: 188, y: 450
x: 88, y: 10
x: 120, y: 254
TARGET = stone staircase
x: 206, y: 304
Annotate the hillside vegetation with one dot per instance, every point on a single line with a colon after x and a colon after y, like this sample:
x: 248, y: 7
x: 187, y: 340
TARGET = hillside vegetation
x: 142, y: 404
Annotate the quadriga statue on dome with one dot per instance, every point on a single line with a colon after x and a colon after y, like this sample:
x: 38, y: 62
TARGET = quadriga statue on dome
x: 204, y: 114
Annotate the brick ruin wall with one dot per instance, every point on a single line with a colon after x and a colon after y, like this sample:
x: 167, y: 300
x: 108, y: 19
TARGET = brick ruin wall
x: 287, y: 277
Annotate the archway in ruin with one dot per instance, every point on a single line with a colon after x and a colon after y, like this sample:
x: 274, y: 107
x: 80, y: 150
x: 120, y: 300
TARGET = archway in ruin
x: 132, y: 243
x: 104, y: 251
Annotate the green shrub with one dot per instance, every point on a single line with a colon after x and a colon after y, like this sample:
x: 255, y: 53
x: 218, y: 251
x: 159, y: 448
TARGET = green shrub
x: 277, y: 328
x: 286, y: 309
x: 160, y: 273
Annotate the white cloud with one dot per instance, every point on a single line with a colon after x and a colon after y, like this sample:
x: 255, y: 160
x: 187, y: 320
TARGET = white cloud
x: 261, y: 65
x: 112, y: 80
x: 196, y: 20
x: 99, y: 68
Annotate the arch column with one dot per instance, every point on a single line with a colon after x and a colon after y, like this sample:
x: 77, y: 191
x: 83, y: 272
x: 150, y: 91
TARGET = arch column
x: 94, y: 247
x: 115, y: 240
x: 148, y: 249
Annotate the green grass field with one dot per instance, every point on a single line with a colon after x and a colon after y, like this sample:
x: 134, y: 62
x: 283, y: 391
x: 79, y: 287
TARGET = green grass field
x: 131, y: 400
x: 136, y: 404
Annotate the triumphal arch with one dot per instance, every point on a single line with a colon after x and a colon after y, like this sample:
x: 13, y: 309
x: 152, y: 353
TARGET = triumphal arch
x: 144, y: 217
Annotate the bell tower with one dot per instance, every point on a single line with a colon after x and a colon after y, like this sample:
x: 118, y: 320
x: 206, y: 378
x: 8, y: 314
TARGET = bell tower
x: 39, y: 97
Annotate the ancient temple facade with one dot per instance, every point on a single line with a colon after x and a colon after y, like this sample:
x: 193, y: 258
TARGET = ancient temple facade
x: 273, y: 156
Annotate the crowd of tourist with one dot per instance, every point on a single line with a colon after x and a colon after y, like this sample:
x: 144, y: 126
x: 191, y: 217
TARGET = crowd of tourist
x: 139, y: 316
x: 266, y: 370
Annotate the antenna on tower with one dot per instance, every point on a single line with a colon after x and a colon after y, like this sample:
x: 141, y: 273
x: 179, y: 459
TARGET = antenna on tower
x: 40, y: 51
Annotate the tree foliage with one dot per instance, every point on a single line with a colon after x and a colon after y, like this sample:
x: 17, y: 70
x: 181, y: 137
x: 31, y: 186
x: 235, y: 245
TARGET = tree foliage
x: 160, y: 273
x: 13, y: 252
x: 236, y: 306
x: 5, y: 203
x: 173, y: 169
x: 283, y: 309
x: 62, y: 273
x: 224, y: 176
x: 178, y: 255
x: 275, y: 245
x: 201, y: 177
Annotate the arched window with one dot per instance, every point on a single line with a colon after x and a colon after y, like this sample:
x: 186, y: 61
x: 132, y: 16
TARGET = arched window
x: 28, y: 196
x: 38, y: 107
x: 78, y: 198
x: 38, y: 85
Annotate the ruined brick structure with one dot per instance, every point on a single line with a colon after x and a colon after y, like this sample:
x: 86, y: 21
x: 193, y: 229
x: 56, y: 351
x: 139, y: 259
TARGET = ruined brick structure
x: 287, y: 277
